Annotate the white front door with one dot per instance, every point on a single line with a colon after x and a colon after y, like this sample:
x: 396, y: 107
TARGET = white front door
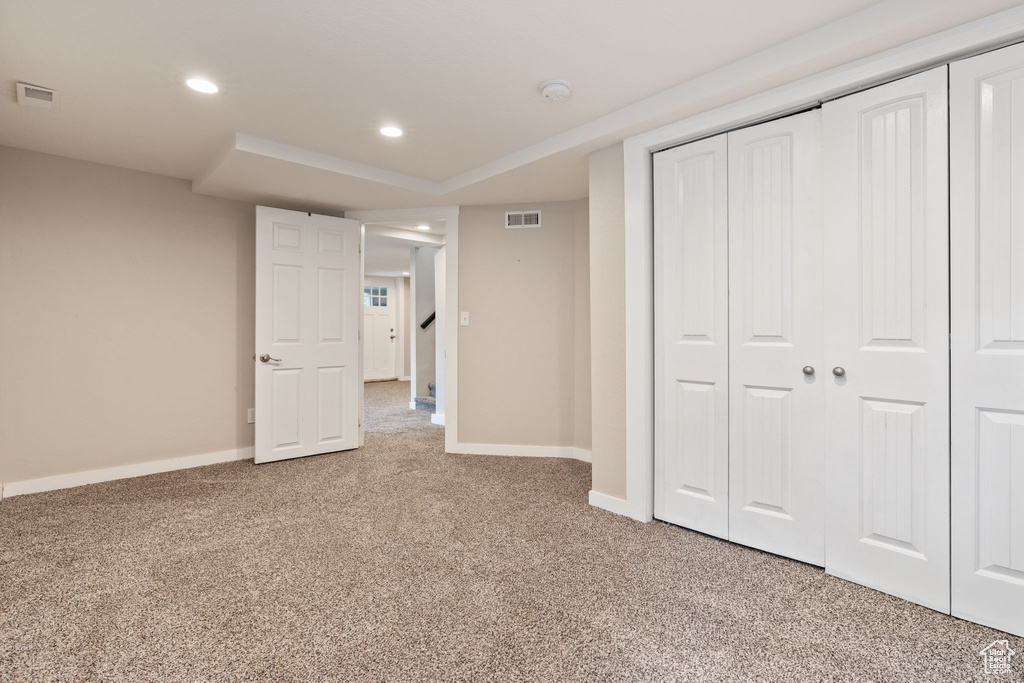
x: 776, y: 373
x: 987, y: 267
x: 691, y: 243
x: 887, y: 338
x: 380, y: 301
x: 308, y: 296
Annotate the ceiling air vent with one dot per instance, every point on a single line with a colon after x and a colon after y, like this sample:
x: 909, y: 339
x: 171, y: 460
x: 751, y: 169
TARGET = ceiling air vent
x: 522, y: 219
x: 40, y: 98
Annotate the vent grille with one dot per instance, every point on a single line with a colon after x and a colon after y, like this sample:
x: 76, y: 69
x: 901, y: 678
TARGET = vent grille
x: 522, y: 219
x: 38, y: 97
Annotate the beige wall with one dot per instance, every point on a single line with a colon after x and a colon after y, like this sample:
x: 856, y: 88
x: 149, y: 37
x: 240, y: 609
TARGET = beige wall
x: 408, y: 324
x: 426, y: 342
x: 608, y: 321
x: 517, y: 362
x: 581, y: 309
x: 126, y: 318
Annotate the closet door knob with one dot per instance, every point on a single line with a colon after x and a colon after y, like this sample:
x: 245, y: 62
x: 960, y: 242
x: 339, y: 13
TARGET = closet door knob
x: 838, y: 372
x: 808, y: 370
x: 265, y: 358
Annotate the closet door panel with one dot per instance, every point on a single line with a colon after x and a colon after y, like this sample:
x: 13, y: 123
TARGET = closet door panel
x: 987, y: 269
x: 692, y: 336
x: 776, y: 432
x: 887, y: 336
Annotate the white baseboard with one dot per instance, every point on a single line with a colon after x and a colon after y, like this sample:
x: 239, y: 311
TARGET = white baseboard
x: 437, y: 419
x: 523, y: 451
x: 405, y: 379
x: 617, y: 505
x: 412, y: 405
x: 66, y: 481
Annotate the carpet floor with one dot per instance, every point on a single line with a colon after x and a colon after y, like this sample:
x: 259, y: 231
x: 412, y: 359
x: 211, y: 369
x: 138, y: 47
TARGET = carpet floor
x: 397, y: 562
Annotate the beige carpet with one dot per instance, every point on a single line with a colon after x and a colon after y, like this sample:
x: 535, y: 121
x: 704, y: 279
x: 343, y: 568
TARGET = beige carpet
x: 400, y: 563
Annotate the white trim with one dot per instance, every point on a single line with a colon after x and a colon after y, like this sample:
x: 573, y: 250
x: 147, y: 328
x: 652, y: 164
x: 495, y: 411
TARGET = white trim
x: 450, y: 216
x: 66, y: 481
x: 326, y: 162
x: 638, y: 185
x: 437, y: 419
x: 521, y: 451
x: 407, y: 378
x: 618, y: 506
x: 412, y: 405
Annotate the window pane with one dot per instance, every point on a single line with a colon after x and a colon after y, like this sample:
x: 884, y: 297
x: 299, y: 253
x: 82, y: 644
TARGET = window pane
x: 383, y: 291
x: 375, y: 291
x: 376, y: 301
x: 366, y: 301
x: 383, y: 301
x: 366, y: 289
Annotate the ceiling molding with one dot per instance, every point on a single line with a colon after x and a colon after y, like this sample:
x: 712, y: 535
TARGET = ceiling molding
x: 701, y: 93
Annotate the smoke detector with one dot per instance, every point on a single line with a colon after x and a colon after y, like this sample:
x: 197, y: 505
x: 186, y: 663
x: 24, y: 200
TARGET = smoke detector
x: 38, y: 97
x: 555, y: 90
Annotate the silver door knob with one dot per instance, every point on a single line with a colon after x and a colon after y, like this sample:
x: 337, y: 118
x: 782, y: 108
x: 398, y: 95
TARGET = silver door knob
x: 265, y: 358
x: 808, y: 370
x: 838, y: 372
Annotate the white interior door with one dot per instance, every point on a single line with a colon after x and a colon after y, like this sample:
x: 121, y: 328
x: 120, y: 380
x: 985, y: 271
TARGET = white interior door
x: 987, y: 267
x: 886, y: 333
x: 308, y: 295
x: 776, y: 415
x: 380, y: 298
x: 691, y: 249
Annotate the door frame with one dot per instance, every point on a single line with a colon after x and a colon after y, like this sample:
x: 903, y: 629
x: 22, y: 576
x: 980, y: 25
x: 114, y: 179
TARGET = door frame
x: 450, y: 216
x: 983, y: 35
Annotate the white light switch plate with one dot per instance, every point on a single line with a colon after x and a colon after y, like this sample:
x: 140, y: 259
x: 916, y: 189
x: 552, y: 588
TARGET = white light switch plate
x: 464, y: 319
x: 251, y: 416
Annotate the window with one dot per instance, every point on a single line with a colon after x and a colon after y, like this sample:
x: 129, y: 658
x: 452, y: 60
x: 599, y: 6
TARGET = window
x: 375, y: 296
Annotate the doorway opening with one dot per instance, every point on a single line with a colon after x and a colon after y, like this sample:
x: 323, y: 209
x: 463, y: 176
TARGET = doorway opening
x: 405, y: 295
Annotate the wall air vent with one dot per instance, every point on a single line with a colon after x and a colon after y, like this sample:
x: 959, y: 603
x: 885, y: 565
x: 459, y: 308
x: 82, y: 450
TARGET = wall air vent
x: 38, y: 97
x: 522, y: 219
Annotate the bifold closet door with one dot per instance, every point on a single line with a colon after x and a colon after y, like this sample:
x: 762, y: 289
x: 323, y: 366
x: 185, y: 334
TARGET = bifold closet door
x: 887, y: 338
x: 987, y: 268
x: 776, y: 415
x: 692, y: 336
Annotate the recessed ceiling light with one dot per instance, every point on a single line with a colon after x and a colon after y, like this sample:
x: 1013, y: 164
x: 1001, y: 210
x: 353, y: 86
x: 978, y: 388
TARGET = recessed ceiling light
x: 391, y: 131
x: 202, y: 85
x: 423, y: 227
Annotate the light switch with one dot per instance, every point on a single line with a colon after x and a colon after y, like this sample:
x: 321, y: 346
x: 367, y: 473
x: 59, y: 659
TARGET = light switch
x: 464, y: 319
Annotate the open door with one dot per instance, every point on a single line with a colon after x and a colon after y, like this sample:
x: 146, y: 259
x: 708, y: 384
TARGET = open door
x: 308, y: 302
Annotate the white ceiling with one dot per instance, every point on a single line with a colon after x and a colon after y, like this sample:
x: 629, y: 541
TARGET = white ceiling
x: 387, y: 244
x: 385, y: 257
x: 307, y: 83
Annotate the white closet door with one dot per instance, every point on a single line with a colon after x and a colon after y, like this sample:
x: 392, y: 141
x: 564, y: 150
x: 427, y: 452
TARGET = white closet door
x: 987, y: 267
x: 887, y: 327
x: 776, y: 419
x: 691, y: 336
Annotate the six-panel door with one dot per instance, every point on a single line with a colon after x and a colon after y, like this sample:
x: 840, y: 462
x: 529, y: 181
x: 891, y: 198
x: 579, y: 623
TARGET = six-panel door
x: 308, y: 301
x: 987, y: 277
x: 692, y: 337
x: 887, y: 338
x: 776, y: 427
